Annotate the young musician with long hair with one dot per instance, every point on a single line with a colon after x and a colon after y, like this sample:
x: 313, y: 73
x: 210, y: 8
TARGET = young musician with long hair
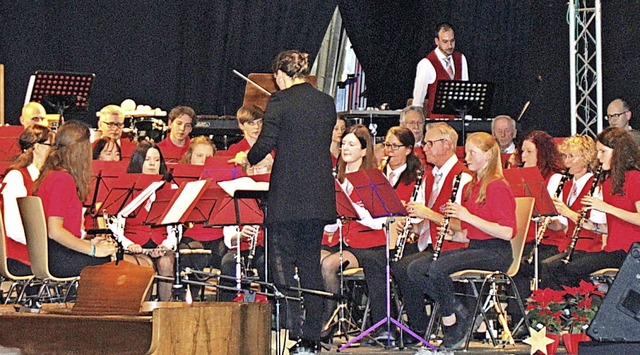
x: 579, y: 154
x: 620, y: 158
x: 35, y: 142
x: 298, y: 121
x: 486, y: 220
x: 147, y: 159
x: 63, y: 185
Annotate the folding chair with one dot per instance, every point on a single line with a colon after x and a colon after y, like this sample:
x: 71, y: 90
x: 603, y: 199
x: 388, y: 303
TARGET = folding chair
x: 18, y: 283
x: 493, y: 278
x: 35, y: 228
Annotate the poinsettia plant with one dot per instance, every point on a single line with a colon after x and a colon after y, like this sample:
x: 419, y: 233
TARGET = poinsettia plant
x: 545, y: 308
x: 582, y: 303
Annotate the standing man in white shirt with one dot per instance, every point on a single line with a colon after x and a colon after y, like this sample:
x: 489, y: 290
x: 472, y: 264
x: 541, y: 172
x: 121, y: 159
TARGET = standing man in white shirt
x: 443, y: 63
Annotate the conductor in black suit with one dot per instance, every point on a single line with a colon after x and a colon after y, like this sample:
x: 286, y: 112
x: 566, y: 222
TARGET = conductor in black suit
x: 298, y: 124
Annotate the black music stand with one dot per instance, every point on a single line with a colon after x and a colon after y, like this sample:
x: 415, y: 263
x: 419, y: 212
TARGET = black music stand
x: 61, y: 91
x: 182, y: 173
x: 527, y: 182
x: 380, y: 199
x: 124, y: 191
x: 462, y: 98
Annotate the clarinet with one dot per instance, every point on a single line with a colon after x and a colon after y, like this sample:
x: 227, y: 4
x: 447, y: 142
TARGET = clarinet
x: 402, y: 238
x: 546, y: 220
x: 445, y: 223
x: 583, y: 215
x: 253, y: 242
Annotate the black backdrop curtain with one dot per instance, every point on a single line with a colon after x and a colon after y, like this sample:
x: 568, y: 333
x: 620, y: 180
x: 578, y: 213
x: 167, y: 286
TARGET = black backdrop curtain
x: 182, y: 52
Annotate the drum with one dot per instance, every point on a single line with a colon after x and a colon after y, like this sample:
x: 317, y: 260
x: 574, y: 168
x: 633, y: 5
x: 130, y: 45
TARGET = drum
x: 150, y: 128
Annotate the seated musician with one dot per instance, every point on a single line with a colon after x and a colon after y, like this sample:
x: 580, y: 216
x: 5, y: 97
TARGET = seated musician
x: 106, y: 149
x: 147, y: 159
x: 181, y: 122
x: 250, y: 123
x: 486, y: 220
x: 246, y: 235
x: 579, y: 154
x: 439, y: 147
x: 620, y: 158
x: 538, y: 149
x: 110, y: 123
x: 336, y: 138
x: 412, y: 117
x: 66, y: 176
x: 365, y: 240
x: 33, y: 113
x: 35, y: 143
x: 200, y: 148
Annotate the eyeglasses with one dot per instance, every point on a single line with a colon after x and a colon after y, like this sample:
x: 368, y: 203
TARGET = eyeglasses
x: 113, y: 124
x: 430, y: 144
x: 254, y: 123
x: 615, y: 115
x: 392, y: 146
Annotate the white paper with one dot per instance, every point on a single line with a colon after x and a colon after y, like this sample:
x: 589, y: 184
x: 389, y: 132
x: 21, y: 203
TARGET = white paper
x: 140, y: 199
x: 243, y: 184
x: 184, y: 200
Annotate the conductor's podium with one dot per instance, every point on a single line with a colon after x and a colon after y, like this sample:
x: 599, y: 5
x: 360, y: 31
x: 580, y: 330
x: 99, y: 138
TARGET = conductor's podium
x: 93, y: 325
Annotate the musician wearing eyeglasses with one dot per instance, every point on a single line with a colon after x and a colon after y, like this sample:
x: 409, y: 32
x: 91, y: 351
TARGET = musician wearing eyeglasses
x: 439, y: 147
x: 110, y: 123
x: 250, y: 123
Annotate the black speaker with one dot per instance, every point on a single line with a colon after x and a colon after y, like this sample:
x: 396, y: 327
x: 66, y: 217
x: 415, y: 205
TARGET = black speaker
x: 618, y: 319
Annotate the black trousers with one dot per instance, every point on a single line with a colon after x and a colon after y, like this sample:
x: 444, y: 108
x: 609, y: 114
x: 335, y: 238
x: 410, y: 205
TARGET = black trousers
x: 581, y: 266
x: 297, y: 244
x: 228, y: 268
x: 374, y: 265
x: 64, y: 262
x: 433, y: 276
x: 410, y: 292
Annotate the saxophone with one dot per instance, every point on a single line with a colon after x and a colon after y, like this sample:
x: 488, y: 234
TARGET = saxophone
x: 545, y: 220
x: 445, y: 223
x: 583, y: 215
x: 402, y: 238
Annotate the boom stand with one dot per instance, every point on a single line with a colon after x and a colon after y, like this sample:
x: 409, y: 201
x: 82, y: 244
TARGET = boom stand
x: 463, y: 98
x: 380, y: 199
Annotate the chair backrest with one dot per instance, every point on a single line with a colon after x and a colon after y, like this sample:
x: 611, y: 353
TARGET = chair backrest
x: 524, y: 209
x: 4, y: 268
x: 35, y: 230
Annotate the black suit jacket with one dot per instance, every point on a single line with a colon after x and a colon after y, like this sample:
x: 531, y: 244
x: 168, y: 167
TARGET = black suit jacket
x: 298, y: 123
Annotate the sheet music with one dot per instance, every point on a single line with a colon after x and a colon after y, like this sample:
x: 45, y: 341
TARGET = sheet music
x: 184, y: 200
x: 140, y: 199
x: 243, y: 184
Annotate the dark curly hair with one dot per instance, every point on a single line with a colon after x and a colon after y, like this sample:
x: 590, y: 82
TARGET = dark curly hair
x: 549, y: 157
x: 625, y: 157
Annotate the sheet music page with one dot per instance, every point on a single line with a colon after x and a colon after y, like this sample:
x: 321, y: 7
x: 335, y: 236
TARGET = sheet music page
x: 184, y: 200
x: 243, y: 184
x: 140, y: 199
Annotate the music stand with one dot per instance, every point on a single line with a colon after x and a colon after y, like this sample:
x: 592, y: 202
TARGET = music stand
x: 218, y: 168
x: 61, y: 91
x: 183, y: 173
x: 380, y: 199
x: 124, y: 191
x: 9, y: 147
x: 527, y: 182
x: 171, y: 208
x: 462, y: 98
x: 103, y: 177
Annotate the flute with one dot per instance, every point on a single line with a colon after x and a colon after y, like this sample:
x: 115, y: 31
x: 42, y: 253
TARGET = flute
x: 583, y: 215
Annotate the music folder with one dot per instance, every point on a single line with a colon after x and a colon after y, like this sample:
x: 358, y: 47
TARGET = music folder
x: 376, y: 194
x: 240, y: 204
x: 527, y: 182
x: 344, y: 206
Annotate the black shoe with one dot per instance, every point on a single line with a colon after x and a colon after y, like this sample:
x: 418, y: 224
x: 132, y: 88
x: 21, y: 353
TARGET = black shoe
x: 305, y: 347
x: 455, y: 335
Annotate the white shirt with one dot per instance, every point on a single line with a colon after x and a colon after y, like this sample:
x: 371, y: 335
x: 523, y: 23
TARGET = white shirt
x: 396, y: 173
x: 508, y: 150
x: 594, y: 215
x: 14, y: 188
x: 445, y: 169
x: 426, y: 75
